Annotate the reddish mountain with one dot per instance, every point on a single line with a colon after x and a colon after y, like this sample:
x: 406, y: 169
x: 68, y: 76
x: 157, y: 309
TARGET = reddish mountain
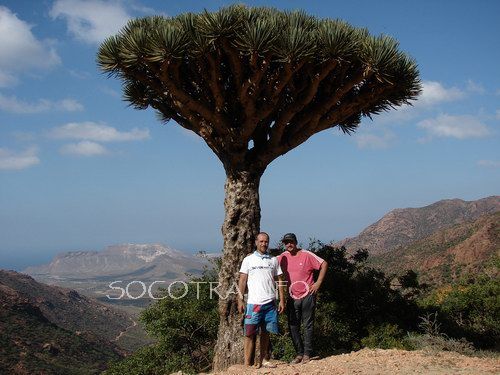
x: 402, y: 227
x: 448, y: 254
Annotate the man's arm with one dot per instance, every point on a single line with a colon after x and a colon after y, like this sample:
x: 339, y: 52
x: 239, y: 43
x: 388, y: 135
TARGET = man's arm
x: 322, y: 272
x: 281, y: 293
x: 242, y: 285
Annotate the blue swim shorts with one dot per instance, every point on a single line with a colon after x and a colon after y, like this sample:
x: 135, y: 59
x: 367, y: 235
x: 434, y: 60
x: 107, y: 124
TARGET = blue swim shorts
x: 264, y: 317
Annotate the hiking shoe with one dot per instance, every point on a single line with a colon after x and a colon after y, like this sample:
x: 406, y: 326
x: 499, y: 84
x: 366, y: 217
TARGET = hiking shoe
x: 306, y: 359
x: 296, y: 360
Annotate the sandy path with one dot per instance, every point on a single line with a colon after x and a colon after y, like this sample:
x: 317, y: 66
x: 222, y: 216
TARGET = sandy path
x: 134, y: 323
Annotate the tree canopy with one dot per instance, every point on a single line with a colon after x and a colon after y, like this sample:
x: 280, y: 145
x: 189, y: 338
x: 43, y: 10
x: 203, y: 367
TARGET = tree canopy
x: 256, y: 82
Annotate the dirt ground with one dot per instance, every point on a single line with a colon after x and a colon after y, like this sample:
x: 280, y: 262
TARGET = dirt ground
x: 383, y: 362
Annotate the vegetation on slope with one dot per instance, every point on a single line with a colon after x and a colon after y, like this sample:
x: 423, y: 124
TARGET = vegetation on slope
x: 449, y: 254
x: 31, y: 344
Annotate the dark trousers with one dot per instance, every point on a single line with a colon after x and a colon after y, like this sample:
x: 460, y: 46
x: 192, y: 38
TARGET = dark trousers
x: 301, y: 311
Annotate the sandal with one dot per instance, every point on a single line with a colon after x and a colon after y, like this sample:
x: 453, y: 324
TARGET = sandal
x: 268, y: 364
x: 296, y: 360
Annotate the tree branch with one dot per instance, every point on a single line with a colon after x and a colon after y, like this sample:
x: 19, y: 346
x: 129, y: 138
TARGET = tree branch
x: 174, y: 87
x: 278, y: 85
x: 309, y: 118
x: 214, y: 82
x: 362, y: 103
x: 234, y: 63
x: 297, y: 106
x: 185, y: 122
x: 249, y: 95
x: 184, y: 99
x: 337, y: 115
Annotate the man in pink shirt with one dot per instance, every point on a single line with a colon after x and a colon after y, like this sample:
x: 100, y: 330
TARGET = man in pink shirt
x: 298, y: 266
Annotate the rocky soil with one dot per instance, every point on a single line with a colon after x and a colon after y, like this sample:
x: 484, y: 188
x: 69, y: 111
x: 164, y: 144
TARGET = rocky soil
x: 378, y: 361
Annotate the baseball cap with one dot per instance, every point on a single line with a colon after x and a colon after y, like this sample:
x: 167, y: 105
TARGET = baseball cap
x: 289, y: 237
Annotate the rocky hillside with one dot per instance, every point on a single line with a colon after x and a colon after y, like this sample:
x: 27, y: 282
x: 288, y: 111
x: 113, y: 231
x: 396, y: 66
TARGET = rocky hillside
x: 67, y: 308
x: 51, y: 330
x: 402, y: 227
x: 443, y: 257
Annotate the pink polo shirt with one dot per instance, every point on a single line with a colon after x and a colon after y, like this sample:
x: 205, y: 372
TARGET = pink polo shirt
x: 298, y: 270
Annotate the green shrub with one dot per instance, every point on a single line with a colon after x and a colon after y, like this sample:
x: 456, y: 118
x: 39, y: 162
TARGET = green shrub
x: 335, y: 330
x: 469, y: 309
x: 281, y: 344
x: 356, y: 299
x: 185, y: 329
x: 385, y: 336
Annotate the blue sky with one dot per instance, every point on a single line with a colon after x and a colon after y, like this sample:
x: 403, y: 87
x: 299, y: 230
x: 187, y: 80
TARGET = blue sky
x: 79, y: 170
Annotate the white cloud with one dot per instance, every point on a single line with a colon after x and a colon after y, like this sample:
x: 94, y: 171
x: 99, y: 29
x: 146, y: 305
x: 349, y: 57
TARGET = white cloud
x: 91, y: 20
x: 373, y: 141
x: 79, y: 74
x: 110, y: 92
x: 14, y: 105
x: 84, y: 148
x: 474, y: 87
x: 434, y: 92
x: 489, y: 163
x: 460, y: 127
x: 91, y: 131
x: 145, y: 10
x: 20, y: 50
x: 10, y: 160
x: 69, y: 105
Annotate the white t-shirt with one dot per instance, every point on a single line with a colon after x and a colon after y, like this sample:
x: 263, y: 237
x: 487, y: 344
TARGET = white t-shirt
x: 261, y: 270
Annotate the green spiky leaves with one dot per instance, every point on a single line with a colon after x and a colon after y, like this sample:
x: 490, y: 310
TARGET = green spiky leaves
x: 258, y: 74
x: 285, y: 36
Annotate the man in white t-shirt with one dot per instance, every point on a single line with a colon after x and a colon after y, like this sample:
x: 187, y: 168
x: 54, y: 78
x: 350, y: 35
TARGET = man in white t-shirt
x: 259, y: 272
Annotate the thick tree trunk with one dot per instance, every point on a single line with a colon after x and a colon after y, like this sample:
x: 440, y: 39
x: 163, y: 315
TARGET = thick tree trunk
x: 241, y: 225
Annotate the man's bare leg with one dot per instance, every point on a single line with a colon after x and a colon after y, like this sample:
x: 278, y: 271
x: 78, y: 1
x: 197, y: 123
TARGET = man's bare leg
x: 249, y: 346
x: 264, y: 348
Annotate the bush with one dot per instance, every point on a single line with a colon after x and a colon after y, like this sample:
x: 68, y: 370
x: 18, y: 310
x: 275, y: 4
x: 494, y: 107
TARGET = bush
x: 385, y: 336
x: 281, y: 343
x: 357, y: 302
x: 469, y: 309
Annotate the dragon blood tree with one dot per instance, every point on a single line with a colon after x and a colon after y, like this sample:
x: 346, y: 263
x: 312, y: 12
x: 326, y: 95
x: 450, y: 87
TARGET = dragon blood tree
x: 255, y: 83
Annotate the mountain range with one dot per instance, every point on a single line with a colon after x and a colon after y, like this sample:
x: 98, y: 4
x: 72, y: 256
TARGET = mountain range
x: 450, y: 237
x: 441, y: 242
x: 138, y: 260
x: 403, y: 226
x: 469, y: 248
x: 127, y: 265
